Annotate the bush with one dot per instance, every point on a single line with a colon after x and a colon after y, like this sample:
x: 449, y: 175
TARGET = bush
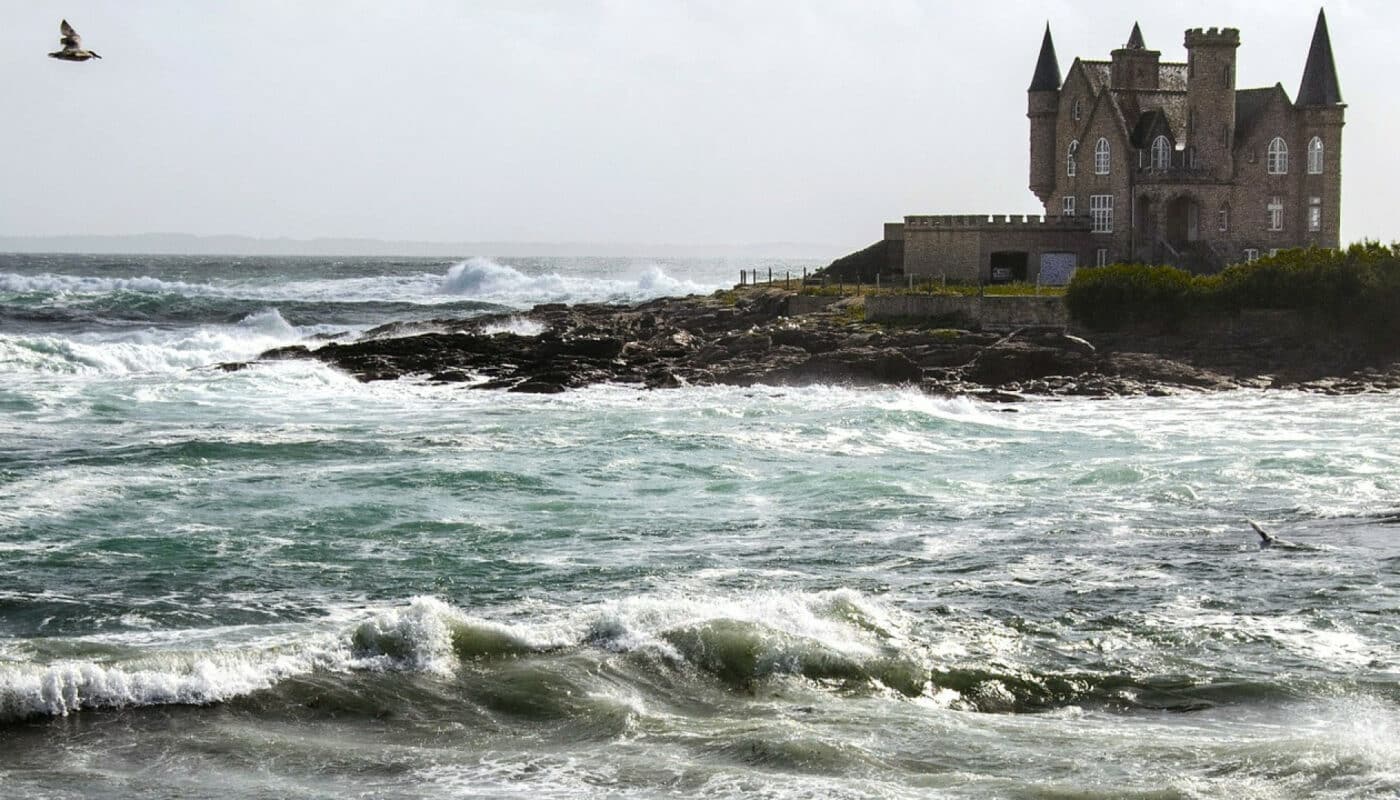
x: 1105, y: 298
x: 1356, y: 287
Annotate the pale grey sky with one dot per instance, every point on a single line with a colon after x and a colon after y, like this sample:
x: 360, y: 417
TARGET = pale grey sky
x: 703, y: 122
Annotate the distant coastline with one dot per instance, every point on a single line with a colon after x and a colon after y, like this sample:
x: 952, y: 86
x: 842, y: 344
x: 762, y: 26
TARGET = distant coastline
x: 232, y: 245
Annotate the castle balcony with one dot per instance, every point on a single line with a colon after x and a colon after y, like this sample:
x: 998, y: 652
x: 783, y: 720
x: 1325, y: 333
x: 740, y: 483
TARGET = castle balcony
x: 1174, y: 174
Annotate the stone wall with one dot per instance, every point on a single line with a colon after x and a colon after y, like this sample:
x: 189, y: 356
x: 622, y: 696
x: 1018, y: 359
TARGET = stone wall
x: 959, y: 248
x: 985, y: 313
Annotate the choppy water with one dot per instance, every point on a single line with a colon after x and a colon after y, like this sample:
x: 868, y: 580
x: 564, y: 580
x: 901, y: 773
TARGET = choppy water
x: 282, y: 583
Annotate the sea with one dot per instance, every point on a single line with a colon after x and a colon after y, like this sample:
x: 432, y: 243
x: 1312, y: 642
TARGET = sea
x: 280, y: 582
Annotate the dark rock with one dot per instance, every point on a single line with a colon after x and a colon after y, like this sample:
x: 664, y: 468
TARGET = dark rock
x: 744, y: 340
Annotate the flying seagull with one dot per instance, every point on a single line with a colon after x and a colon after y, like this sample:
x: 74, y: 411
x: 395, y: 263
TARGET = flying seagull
x: 1266, y: 539
x: 72, y: 45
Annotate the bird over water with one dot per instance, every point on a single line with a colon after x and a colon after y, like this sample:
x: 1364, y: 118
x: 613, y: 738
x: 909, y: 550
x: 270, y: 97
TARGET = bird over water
x: 72, y: 45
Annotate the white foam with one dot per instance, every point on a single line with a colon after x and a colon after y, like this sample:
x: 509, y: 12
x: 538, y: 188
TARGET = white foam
x: 481, y: 278
x: 150, y: 350
x: 61, y: 688
x: 516, y: 325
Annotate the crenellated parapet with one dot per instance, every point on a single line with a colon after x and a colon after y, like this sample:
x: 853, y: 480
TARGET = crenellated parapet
x: 1213, y: 37
x: 994, y: 222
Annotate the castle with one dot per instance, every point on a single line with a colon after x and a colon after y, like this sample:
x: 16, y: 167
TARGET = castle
x: 1142, y: 160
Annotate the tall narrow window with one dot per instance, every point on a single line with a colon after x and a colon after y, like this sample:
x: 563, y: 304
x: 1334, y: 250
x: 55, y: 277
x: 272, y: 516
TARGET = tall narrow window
x: 1314, y: 213
x: 1101, y: 257
x: 1315, y: 156
x: 1101, y: 211
x: 1161, y: 153
x: 1101, y: 157
x: 1278, y: 157
x: 1224, y: 217
x: 1078, y: 109
x: 1275, y: 209
x: 1072, y: 160
x: 1191, y: 158
x: 1067, y: 206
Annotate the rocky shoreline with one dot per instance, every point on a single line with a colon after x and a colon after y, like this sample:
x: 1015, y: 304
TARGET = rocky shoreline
x: 746, y: 338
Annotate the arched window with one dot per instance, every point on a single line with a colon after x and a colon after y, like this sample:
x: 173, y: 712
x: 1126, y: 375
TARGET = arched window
x: 1078, y: 109
x: 1072, y: 160
x: 1278, y: 157
x: 1161, y: 153
x: 1101, y: 157
x: 1315, y: 156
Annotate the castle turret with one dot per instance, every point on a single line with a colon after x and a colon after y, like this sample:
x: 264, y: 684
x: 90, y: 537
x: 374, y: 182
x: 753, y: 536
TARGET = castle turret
x: 1134, y: 66
x: 1321, y: 117
x: 1043, y: 108
x: 1210, y: 99
x: 1320, y: 87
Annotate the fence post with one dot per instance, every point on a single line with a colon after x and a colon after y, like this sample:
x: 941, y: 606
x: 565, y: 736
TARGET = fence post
x: 770, y: 276
x: 787, y: 280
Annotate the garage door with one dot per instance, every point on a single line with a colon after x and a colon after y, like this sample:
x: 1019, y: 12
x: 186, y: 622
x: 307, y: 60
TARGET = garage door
x: 1057, y: 268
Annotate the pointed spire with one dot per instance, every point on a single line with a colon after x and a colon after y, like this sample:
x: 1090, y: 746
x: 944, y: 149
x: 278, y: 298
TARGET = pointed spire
x: 1047, y: 67
x: 1320, y: 87
x: 1135, y: 41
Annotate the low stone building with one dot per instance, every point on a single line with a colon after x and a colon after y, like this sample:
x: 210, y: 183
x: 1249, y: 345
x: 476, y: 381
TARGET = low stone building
x: 1140, y: 160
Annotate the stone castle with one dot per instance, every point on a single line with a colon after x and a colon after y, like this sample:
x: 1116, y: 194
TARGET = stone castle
x: 1137, y: 159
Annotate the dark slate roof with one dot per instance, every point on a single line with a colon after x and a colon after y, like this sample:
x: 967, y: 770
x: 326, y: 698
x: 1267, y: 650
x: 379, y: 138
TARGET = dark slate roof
x: 1250, y: 105
x: 1320, y: 87
x: 1149, y: 125
x: 1099, y: 73
x: 1170, y: 105
x: 1135, y: 41
x: 1047, y: 67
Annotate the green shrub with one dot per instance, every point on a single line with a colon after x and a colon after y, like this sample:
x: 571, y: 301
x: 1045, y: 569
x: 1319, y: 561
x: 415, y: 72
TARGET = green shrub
x: 1105, y: 298
x: 1359, y: 286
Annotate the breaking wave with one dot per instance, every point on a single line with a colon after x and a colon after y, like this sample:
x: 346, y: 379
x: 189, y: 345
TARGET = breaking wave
x: 838, y: 637
x: 150, y: 350
x: 487, y: 279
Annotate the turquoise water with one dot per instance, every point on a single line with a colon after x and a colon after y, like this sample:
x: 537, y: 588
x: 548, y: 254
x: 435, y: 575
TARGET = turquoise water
x: 280, y: 582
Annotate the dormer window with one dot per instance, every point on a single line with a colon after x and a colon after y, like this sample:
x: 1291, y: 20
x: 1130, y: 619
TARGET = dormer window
x: 1101, y: 157
x: 1315, y: 156
x: 1161, y: 153
x: 1278, y: 157
x: 1072, y: 160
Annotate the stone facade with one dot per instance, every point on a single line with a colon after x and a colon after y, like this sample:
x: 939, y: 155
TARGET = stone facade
x: 1137, y: 159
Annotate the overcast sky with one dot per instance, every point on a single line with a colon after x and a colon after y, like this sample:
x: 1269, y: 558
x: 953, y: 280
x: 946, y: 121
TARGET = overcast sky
x: 702, y: 122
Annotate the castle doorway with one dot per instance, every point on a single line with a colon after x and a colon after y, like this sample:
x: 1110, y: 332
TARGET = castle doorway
x: 1183, y: 221
x: 1009, y: 266
x: 1145, y: 226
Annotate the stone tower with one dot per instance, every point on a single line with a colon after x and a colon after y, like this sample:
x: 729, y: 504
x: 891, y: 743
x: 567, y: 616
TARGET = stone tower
x: 1134, y: 67
x: 1321, y: 117
x: 1043, y: 108
x: 1210, y: 100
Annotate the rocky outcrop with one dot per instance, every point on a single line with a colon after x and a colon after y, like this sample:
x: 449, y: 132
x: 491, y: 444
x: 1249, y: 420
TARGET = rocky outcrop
x: 744, y: 338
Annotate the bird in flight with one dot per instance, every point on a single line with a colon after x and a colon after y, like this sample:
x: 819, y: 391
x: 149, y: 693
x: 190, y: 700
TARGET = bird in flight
x: 72, y: 45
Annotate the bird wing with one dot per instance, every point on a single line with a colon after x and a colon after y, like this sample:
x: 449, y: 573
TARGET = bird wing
x: 70, y: 38
x: 1263, y: 534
